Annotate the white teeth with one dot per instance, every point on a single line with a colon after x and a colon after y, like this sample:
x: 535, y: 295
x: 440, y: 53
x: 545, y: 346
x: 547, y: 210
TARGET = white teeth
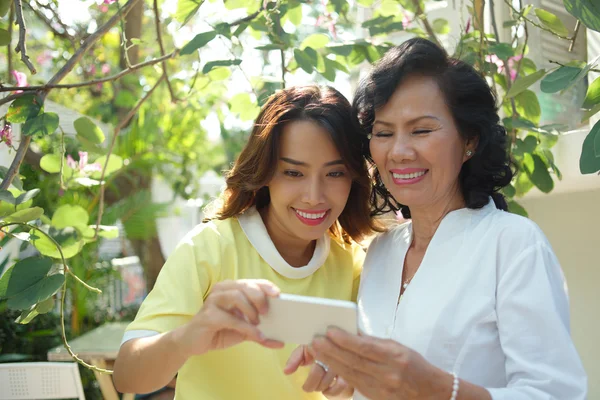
x: 311, y: 216
x: 408, y: 176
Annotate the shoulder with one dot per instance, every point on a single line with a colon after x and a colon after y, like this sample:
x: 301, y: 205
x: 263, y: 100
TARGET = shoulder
x: 394, y: 236
x: 513, y: 231
x: 340, y: 249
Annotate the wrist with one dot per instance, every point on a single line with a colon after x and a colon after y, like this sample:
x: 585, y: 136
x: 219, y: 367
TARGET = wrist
x: 443, y: 385
x: 179, y: 342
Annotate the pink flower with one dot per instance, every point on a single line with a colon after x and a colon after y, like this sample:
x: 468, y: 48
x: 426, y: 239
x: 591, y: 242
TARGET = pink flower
x: 332, y: 29
x: 468, y: 28
x: 103, y: 8
x: 6, y: 134
x: 109, y: 1
x: 105, y: 69
x: 21, y: 79
x: 406, y: 21
x: 71, y: 163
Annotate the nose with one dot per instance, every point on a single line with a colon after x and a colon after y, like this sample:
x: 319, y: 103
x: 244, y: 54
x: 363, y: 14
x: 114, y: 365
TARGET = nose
x: 402, y: 149
x: 314, y: 191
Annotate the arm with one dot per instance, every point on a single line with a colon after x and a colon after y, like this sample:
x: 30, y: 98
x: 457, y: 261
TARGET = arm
x: 533, y: 324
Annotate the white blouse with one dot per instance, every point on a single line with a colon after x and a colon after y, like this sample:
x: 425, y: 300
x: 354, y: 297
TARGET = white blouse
x: 488, y: 302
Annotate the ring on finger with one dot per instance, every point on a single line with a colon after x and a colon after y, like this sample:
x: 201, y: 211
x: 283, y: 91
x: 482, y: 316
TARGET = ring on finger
x: 322, y: 365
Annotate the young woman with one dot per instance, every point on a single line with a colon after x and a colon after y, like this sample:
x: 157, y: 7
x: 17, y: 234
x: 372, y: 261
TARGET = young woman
x: 296, y: 201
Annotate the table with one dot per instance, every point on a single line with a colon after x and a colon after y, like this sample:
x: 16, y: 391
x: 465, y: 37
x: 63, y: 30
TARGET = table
x: 98, y: 347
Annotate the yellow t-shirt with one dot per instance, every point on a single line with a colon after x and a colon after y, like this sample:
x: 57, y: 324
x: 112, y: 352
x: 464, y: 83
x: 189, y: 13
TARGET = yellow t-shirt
x: 240, y: 248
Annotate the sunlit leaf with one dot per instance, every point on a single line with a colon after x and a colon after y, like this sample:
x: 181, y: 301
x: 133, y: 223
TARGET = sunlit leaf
x: 540, y: 175
x: 42, y: 125
x: 26, y: 215
x: 592, y: 96
x: 551, y: 22
x: 68, y: 239
x: 528, y: 106
x: 4, y: 7
x: 50, y: 163
x: 45, y: 306
x: 27, y: 316
x: 4, y: 37
x: 516, y: 208
x: 115, y: 163
x: 70, y: 215
x: 88, y: 130
x: 186, y: 9
x: 303, y: 60
x: 441, y: 26
x: 23, y: 108
x: 316, y: 41
x: 219, y: 63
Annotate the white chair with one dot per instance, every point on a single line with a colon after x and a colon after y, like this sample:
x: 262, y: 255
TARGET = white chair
x: 40, y: 380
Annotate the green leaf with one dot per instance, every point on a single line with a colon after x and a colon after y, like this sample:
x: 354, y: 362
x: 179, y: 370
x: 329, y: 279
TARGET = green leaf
x: 524, y: 82
x: 42, y: 125
x: 50, y: 163
x: 540, y: 175
x: 559, y: 79
x: 28, y: 283
x: 341, y: 49
x: 269, y: 47
x: 27, y: 196
x: 219, y: 74
x: 242, y: 104
x: 7, y: 196
x: 17, y: 183
x: 304, y: 60
x: 592, y: 96
x: 589, y: 162
x: 502, y: 50
x: 45, y: 306
x: 106, y: 231
x: 4, y: 37
x: 516, y: 208
x: 587, y: 11
x: 589, y: 114
x: 27, y: 316
x: 125, y: 99
x: 509, y: 191
x: 295, y: 14
x: 4, y: 7
x: 219, y: 63
x: 88, y: 130
x: 316, y: 41
x: 115, y: 163
x: 528, y: 106
x: 70, y: 215
x: 186, y: 9
x: 200, y: 40
x: 26, y: 215
x: 68, y: 239
x: 551, y: 22
x: 441, y: 26
x: 23, y: 108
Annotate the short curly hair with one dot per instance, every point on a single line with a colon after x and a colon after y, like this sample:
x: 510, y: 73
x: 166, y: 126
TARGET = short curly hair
x: 471, y: 103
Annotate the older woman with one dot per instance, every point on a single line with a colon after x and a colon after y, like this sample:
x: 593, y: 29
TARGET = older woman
x: 465, y: 300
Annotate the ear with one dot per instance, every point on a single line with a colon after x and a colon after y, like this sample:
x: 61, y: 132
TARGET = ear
x: 470, y: 148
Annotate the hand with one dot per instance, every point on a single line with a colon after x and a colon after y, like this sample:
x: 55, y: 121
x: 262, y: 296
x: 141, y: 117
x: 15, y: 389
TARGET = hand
x: 381, y: 368
x: 229, y: 316
x: 319, y: 379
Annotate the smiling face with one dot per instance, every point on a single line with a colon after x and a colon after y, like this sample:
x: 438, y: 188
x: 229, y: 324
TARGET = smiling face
x: 310, y: 186
x: 417, y: 147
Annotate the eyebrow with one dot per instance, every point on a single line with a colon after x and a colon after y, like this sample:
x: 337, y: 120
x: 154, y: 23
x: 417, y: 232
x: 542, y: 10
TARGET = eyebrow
x: 302, y: 163
x: 412, y: 121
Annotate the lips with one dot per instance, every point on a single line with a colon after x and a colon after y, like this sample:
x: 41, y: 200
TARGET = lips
x: 407, y: 176
x: 312, y: 217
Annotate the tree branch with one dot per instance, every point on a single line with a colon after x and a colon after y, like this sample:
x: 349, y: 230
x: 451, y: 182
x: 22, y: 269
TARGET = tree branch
x: 11, y: 18
x: 24, y: 145
x: 577, y: 25
x: 282, y: 54
x: 117, y: 130
x: 174, y: 99
x: 88, y: 83
x: 21, y: 46
x: 423, y: 18
x: 535, y: 23
x: 49, y: 23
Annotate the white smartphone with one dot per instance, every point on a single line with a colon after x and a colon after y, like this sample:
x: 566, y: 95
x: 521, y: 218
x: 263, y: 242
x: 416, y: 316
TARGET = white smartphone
x: 297, y: 319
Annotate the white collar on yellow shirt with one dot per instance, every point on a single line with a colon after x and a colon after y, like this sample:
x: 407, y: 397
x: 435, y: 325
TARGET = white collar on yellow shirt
x: 256, y: 232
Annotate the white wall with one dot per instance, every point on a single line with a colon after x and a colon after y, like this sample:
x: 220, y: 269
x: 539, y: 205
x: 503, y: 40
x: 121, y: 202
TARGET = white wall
x: 571, y: 221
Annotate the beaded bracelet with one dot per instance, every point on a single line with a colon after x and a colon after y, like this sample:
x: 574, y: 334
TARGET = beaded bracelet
x: 454, y: 387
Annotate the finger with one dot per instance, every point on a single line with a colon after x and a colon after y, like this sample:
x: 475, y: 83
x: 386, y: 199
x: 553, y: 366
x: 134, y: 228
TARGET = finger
x: 224, y: 320
x: 367, y: 346
x: 231, y: 300
x: 342, y: 361
x: 326, y: 381
x: 339, y: 386
x: 315, y: 376
x: 255, y: 290
x: 272, y: 344
x: 297, y: 358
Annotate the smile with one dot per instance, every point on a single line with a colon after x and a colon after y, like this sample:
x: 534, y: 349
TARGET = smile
x: 311, y: 218
x: 408, y: 176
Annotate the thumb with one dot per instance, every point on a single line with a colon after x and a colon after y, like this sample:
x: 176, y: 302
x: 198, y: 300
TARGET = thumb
x: 297, y: 359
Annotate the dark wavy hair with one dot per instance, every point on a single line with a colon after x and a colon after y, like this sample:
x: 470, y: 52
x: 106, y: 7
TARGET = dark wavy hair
x: 472, y: 105
x: 255, y: 166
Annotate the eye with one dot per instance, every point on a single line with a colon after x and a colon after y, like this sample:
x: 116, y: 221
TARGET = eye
x: 383, y: 134
x: 292, y: 173
x: 421, y: 131
x: 337, y: 174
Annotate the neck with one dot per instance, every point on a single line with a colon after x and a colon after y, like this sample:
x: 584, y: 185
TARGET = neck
x: 427, y: 219
x: 295, y: 251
